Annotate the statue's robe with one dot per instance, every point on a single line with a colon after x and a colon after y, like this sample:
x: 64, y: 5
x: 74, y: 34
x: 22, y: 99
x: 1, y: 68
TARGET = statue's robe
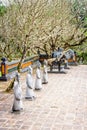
x: 17, y: 104
x: 45, y: 75
x: 38, y: 82
x: 30, y: 87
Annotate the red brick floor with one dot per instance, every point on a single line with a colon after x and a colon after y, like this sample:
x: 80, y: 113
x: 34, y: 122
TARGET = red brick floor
x: 60, y: 105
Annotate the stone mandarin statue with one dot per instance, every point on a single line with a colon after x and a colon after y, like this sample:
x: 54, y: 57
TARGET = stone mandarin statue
x: 45, y: 74
x: 30, y: 86
x: 17, y: 104
x: 38, y: 82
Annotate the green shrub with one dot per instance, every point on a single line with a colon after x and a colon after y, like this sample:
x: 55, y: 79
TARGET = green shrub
x: 2, y: 10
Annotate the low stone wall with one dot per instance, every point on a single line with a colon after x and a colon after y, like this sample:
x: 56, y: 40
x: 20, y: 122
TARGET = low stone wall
x: 8, y: 69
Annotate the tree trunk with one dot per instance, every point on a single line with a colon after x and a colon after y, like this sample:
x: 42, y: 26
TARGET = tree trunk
x: 22, y: 57
x: 9, y: 88
x: 18, y: 68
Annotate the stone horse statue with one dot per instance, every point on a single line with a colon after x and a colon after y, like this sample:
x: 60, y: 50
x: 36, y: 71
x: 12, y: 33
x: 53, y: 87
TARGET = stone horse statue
x: 60, y: 57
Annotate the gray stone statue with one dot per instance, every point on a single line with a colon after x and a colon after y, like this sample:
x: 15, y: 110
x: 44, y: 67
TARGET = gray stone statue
x: 30, y: 86
x: 17, y: 104
x: 66, y: 66
x: 45, y: 62
x: 45, y: 74
x: 38, y: 82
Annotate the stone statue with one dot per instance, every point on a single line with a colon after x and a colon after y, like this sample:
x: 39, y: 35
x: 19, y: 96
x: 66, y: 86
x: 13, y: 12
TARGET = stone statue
x: 17, y: 104
x: 66, y: 66
x: 30, y: 87
x: 45, y: 74
x: 38, y: 82
x: 45, y: 62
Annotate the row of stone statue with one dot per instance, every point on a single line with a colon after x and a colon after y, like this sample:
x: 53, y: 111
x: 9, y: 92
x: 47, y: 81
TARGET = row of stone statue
x: 17, y: 103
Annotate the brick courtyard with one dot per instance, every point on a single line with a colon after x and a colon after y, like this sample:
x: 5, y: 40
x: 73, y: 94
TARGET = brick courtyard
x: 60, y: 105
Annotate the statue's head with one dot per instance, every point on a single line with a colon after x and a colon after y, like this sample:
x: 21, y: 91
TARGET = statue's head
x: 30, y: 70
x: 17, y: 76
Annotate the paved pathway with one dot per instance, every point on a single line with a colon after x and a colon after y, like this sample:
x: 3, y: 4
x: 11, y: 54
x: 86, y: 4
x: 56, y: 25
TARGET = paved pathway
x: 60, y: 105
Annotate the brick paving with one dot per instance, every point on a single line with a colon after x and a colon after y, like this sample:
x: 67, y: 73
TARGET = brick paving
x: 60, y: 105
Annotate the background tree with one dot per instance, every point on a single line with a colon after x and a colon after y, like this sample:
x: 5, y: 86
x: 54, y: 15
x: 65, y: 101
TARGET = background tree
x: 57, y: 27
x: 45, y: 24
x: 19, y: 27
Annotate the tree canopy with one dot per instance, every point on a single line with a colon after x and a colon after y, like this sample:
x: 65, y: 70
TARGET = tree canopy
x: 29, y: 25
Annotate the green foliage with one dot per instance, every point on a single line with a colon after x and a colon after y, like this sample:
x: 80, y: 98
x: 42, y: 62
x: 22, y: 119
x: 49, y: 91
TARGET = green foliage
x: 0, y: 74
x: 2, y: 10
x: 82, y: 57
x: 85, y: 22
x: 79, y: 10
